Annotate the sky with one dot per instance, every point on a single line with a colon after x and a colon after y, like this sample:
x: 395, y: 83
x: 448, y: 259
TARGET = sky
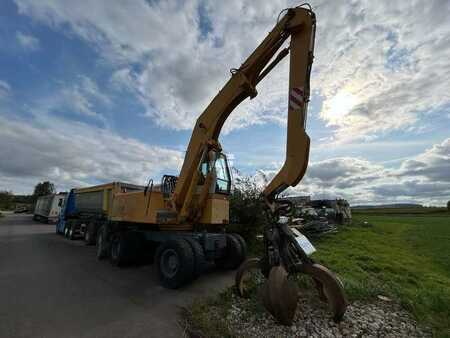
x: 99, y: 91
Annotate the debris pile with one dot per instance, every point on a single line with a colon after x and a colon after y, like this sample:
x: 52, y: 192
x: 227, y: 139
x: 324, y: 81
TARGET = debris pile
x: 317, y: 217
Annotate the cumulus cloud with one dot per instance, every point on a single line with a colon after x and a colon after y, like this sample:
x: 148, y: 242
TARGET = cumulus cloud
x: 82, y: 97
x: 27, y: 41
x: 433, y: 164
x: 379, y: 66
x: 424, y: 178
x: 5, y: 89
x: 75, y: 155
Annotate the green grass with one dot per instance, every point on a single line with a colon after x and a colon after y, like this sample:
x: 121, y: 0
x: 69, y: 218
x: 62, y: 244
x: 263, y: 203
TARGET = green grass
x: 405, y: 256
x: 402, y: 256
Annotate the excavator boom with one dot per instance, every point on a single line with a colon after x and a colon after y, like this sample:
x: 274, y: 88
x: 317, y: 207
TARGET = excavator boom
x: 298, y: 24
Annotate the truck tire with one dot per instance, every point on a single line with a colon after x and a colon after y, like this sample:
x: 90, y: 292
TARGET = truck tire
x: 71, y: 233
x: 242, y: 242
x: 102, y: 243
x: 199, y: 257
x: 175, y: 263
x: 89, y: 233
x: 234, y: 254
x: 66, y: 229
x: 122, y: 249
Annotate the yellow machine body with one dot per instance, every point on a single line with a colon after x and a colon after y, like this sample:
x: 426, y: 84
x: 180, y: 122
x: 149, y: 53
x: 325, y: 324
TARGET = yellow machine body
x: 146, y: 207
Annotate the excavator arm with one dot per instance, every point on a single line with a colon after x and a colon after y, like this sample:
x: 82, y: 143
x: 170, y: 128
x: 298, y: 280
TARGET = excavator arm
x: 298, y: 24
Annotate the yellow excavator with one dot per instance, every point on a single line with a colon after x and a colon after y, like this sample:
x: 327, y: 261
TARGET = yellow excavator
x: 186, y: 216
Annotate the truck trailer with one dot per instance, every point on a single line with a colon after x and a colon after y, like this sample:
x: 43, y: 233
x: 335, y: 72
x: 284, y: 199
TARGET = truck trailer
x: 48, y: 207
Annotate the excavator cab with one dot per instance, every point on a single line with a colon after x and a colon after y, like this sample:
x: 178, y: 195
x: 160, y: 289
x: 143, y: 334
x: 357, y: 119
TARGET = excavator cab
x: 213, y: 189
x: 216, y: 164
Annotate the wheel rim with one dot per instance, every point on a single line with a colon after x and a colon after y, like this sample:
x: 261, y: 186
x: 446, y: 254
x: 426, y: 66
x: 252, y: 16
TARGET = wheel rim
x: 169, y: 263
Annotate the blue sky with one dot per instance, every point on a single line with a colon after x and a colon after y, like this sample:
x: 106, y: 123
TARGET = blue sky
x: 95, y: 92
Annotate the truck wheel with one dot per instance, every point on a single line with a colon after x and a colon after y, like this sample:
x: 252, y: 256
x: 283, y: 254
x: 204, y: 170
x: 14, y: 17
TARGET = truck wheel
x: 199, y: 257
x: 234, y: 254
x: 66, y: 230
x: 102, y: 244
x: 175, y: 263
x: 89, y: 234
x: 120, y: 249
x: 71, y: 233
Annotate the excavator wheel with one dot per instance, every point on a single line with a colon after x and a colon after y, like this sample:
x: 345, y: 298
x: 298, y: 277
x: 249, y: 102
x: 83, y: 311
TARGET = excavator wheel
x: 234, y: 254
x: 199, y: 257
x: 242, y: 242
x: 175, y: 263
x: 330, y: 289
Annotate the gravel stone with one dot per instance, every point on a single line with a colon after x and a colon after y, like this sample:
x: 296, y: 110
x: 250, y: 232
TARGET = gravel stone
x: 362, y: 319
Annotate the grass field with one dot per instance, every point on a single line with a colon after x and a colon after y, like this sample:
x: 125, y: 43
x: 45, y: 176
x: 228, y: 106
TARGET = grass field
x: 402, y: 254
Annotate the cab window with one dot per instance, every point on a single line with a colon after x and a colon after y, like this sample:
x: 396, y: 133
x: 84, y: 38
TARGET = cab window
x: 223, y: 181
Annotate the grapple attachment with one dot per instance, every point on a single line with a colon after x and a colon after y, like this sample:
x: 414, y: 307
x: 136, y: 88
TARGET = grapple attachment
x: 280, y: 293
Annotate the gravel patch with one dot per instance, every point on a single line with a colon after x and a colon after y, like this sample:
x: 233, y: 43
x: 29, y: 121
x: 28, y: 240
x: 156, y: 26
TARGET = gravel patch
x: 381, y: 318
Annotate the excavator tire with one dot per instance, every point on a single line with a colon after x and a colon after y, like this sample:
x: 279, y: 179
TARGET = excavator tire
x: 199, y: 257
x: 243, y: 243
x: 234, y: 255
x: 175, y: 263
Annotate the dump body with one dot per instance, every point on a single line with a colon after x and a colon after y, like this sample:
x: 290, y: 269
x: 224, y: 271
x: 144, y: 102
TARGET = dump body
x: 48, y: 207
x: 97, y: 200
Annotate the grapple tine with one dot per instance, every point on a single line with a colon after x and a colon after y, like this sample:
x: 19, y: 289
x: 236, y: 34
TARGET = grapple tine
x: 329, y: 286
x: 243, y: 272
x: 280, y: 295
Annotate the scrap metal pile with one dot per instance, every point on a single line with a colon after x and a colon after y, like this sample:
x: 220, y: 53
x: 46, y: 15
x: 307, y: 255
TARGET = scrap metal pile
x: 318, y: 217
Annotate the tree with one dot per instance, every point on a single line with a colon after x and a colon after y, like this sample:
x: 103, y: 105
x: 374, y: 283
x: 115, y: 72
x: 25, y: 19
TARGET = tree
x: 247, y: 208
x: 43, y: 188
x: 6, y: 200
x: 448, y: 205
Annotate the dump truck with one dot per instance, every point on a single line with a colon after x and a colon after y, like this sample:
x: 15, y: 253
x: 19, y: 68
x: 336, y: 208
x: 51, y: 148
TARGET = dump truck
x: 86, y: 209
x: 184, y: 218
x: 48, y: 207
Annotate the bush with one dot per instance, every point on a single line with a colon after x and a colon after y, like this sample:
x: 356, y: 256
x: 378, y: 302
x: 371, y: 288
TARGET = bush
x: 247, y: 208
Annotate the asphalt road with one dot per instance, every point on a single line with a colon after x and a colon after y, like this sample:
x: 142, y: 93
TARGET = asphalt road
x: 53, y: 287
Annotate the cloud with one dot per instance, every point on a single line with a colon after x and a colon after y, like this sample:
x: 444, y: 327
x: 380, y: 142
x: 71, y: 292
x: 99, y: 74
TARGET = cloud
x: 74, y: 154
x: 81, y: 97
x: 379, y: 66
x: 5, y: 90
x: 433, y: 164
x: 27, y: 41
x: 382, y: 67
x: 424, y: 178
